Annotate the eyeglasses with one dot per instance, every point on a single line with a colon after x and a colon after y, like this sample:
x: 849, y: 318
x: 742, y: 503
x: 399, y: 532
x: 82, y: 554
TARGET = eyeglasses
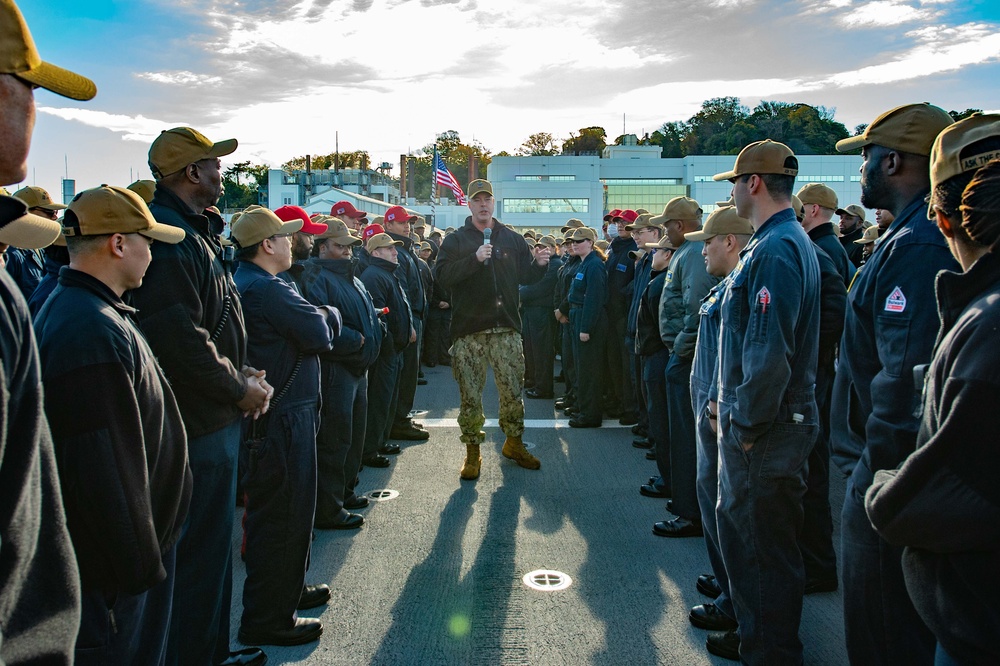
x: 279, y: 236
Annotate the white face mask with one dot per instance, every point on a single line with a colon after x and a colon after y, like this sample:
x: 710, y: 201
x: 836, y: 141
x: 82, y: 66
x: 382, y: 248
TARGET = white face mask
x: 612, y: 231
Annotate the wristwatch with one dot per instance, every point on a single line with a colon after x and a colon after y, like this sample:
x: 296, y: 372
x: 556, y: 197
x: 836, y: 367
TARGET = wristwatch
x: 710, y: 414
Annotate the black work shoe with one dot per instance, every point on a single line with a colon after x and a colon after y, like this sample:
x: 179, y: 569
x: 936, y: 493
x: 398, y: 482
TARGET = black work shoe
x: 537, y: 395
x: 576, y: 422
x: 678, y: 528
x: 707, y: 616
x: 356, y: 502
x: 421, y: 382
x: 305, y: 630
x: 649, y: 490
x: 313, y: 596
x: 642, y: 443
x: 410, y: 433
x: 389, y: 450
x: 708, y: 586
x: 639, y: 430
x: 352, y: 522
x: 628, y: 419
x: 248, y: 657
x: 725, y: 645
x: 817, y: 585
x: 650, y: 455
x: 375, y: 461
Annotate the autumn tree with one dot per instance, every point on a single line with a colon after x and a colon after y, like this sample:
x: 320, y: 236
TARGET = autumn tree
x: 539, y: 144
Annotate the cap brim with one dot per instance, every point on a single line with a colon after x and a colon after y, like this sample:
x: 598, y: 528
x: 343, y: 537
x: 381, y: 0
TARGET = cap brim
x: 841, y: 211
x: 23, y: 229
x: 61, y: 81
x: 345, y: 240
x: 223, y: 148
x: 164, y: 233
x: 729, y: 175
x: 313, y: 228
x: 659, y: 220
x: 697, y: 235
x: 852, y: 143
x: 53, y: 206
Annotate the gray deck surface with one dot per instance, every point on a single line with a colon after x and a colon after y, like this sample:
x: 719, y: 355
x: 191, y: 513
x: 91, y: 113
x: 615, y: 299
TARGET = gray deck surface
x: 434, y: 576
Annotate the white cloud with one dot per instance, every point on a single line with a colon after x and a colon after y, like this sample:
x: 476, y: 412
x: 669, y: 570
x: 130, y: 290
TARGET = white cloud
x: 132, y: 128
x: 881, y: 13
x: 180, y: 78
x: 938, y: 50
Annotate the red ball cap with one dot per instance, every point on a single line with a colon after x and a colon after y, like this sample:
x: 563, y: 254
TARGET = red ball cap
x: 370, y: 231
x: 290, y: 213
x: 629, y: 216
x: 346, y: 208
x: 397, y: 214
x: 617, y: 212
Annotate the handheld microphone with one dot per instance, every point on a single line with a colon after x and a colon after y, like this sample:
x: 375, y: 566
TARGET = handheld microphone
x: 487, y: 232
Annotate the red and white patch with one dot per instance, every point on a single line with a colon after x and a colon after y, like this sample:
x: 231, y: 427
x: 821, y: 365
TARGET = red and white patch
x: 896, y: 302
x: 764, y: 298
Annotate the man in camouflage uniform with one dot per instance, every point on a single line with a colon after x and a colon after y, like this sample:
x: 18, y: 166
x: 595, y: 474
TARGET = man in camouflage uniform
x: 483, y: 263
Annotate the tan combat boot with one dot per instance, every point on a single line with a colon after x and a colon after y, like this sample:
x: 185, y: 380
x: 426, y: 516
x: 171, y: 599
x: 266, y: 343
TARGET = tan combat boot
x: 470, y: 470
x: 513, y: 448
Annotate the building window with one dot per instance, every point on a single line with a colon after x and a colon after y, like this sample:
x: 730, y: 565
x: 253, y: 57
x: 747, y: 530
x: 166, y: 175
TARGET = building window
x: 540, y: 205
x: 855, y: 179
x: 538, y: 179
x: 819, y: 179
x: 286, y: 201
x: 643, y: 181
x: 704, y: 179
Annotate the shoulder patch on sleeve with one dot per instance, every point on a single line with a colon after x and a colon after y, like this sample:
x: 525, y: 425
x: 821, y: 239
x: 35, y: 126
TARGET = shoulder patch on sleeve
x: 896, y: 301
x: 763, y: 299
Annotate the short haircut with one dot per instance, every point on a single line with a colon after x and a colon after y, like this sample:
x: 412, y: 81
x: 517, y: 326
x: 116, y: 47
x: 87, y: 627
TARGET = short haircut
x: 980, y: 203
x: 76, y: 245
x: 247, y: 253
x: 779, y: 186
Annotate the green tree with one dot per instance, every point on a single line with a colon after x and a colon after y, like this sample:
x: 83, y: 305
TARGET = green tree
x: 711, y: 127
x: 539, y: 143
x: 588, y: 140
x: 352, y: 159
x: 244, y: 183
x: 962, y: 115
x: 669, y: 137
x: 456, y: 155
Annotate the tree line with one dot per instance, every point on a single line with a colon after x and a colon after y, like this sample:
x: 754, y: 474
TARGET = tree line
x: 723, y: 126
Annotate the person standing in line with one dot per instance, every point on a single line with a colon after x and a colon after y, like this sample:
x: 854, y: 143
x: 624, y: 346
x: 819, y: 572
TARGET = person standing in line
x: 39, y: 581
x: 768, y: 346
x: 588, y: 295
x: 122, y: 450
x: 539, y: 326
x: 190, y: 311
x: 723, y: 237
x: 388, y: 297
x: 484, y: 278
x: 278, y: 453
x: 942, y: 504
x: 330, y: 280
x: 686, y: 284
x: 889, y: 330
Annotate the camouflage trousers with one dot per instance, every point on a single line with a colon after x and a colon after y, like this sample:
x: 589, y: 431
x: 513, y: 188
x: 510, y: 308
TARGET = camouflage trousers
x: 500, y: 348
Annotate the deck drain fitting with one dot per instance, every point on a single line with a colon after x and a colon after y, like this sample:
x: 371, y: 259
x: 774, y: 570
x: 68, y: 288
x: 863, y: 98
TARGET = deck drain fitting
x: 546, y: 580
x: 383, y: 495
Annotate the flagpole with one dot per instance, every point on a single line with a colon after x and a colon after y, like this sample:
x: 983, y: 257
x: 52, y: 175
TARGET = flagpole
x: 434, y: 183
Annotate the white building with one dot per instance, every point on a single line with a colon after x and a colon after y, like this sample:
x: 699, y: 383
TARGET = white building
x: 543, y: 192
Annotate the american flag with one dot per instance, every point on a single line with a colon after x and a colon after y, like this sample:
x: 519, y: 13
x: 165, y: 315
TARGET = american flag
x: 443, y: 177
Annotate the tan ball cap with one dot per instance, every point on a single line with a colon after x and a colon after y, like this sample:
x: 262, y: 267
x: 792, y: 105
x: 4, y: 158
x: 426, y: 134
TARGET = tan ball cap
x: 480, y: 185
x: 19, y: 228
x: 965, y: 146
x: 546, y: 241
x: 722, y: 222
x: 910, y: 128
x: 381, y: 240
x: 678, y: 208
x: 853, y: 209
x: 644, y: 221
x: 175, y: 148
x: 145, y: 189
x: 582, y: 234
x: 820, y: 194
x: 36, y: 197
x: 662, y: 244
x: 19, y: 56
x: 763, y: 157
x: 571, y: 223
x: 337, y: 231
x: 259, y: 223
x: 115, y: 210
x: 870, y: 236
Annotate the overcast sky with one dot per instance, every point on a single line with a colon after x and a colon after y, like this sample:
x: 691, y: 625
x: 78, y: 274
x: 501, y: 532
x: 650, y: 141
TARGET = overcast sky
x: 388, y: 75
